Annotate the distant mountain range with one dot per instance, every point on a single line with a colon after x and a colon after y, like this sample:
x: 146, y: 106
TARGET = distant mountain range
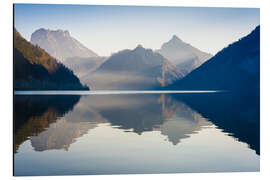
x: 76, y: 56
x: 139, y: 69
x: 184, y: 56
x: 176, y: 65
x: 236, y: 67
x: 35, y: 69
x: 60, y: 44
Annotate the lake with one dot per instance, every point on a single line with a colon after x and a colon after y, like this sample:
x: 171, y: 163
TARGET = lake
x: 88, y: 133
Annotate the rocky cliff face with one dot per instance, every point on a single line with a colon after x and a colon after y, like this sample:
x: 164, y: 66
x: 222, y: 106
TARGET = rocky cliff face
x: 60, y: 44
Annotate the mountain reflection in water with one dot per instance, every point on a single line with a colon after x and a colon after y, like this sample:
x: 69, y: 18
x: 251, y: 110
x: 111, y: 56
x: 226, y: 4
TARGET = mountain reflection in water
x: 34, y: 114
x: 55, y: 122
x: 135, y: 133
x: 235, y: 113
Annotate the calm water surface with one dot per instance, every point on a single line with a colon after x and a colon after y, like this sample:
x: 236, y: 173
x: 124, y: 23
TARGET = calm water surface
x: 135, y: 133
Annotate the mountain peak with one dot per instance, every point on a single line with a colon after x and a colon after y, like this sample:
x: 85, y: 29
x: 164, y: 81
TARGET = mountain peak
x: 59, y: 31
x: 139, y: 47
x: 60, y: 44
x: 36, y: 69
x: 64, y: 32
x: 41, y: 30
x: 182, y: 54
x: 139, y: 68
x: 175, y: 39
x: 221, y: 73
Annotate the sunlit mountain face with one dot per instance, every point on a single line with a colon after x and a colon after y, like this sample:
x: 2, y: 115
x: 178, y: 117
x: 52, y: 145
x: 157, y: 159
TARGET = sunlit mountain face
x: 137, y: 69
x: 60, y: 44
x: 183, y: 55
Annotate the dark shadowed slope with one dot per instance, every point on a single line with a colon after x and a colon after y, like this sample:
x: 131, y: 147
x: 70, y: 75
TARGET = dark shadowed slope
x: 35, y: 69
x: 60, y: 44
x: 138, y: 69
x: 34, y: 114
x: 184, y: 56
x: 236, y: 67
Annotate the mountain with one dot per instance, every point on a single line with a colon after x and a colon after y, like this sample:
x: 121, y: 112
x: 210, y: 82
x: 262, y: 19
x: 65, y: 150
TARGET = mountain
x: 60, y: 44
x: 138, y: 69
x: 236, y: 67
x: 82, y: 66
x: 184, y: 56
x: 35, y: 69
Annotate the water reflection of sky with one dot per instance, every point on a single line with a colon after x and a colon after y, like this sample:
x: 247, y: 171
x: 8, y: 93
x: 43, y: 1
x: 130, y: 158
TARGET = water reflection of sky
x: 131, y: 134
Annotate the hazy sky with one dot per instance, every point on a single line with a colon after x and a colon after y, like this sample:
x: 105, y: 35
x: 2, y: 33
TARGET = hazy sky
x: 108, y: 29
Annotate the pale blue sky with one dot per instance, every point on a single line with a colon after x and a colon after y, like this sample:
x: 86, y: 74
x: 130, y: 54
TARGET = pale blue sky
x: 108, y: 29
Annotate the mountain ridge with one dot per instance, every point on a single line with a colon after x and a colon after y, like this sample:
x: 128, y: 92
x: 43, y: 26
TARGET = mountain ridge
x: 138, y: 65
x: 183, y: 55
x: 60, y: 44
x: 35, y: 69
x: 236, y: 67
